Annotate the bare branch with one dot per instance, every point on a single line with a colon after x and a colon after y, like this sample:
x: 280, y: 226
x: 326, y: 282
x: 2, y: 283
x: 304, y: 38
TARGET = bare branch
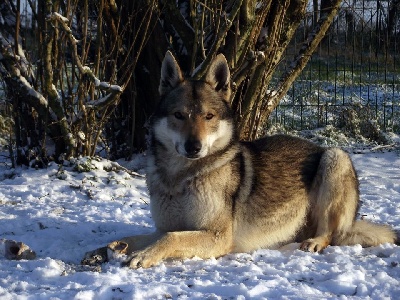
x: 85, y: 70
x: 226, y: 24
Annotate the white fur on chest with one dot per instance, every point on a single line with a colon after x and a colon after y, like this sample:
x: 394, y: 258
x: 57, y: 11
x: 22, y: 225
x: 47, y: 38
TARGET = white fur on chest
x: 191, y: 204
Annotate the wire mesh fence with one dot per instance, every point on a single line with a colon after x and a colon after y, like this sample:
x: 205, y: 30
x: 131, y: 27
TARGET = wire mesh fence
x: 354, y: 74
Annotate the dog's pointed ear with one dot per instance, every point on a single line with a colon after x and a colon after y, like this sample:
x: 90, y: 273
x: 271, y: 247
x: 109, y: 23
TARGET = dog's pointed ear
x: 218, y: 75
x: 171, y: 74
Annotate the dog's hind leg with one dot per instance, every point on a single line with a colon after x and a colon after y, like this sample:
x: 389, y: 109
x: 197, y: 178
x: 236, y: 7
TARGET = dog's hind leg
x: 334, y: 200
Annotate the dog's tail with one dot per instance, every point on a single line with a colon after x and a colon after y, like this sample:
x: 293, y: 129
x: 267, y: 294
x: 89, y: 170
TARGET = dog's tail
x: 367, y: 234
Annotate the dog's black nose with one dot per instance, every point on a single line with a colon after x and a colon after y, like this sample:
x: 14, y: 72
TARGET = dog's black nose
x: 192, y: 147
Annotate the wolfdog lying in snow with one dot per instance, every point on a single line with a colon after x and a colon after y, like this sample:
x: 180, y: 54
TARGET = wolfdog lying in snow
x: 211, y: 194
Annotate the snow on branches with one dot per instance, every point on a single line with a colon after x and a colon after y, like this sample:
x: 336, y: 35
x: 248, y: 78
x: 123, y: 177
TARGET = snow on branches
x: 113, y: 90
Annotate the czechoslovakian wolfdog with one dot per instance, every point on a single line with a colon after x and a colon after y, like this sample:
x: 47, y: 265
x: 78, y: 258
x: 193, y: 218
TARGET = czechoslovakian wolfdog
x: 211, y: 194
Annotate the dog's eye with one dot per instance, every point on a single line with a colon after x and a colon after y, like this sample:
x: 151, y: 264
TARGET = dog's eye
x: 209, y: 116
x: 179, y: 115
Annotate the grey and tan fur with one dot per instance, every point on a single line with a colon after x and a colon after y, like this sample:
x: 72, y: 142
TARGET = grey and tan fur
x: 211, y: 194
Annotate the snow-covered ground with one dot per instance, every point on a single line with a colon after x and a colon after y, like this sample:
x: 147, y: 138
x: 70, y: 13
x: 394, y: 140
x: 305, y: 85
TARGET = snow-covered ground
x: 61, y: 213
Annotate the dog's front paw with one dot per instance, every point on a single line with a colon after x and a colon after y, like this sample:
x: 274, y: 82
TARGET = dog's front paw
x: 142, y: 259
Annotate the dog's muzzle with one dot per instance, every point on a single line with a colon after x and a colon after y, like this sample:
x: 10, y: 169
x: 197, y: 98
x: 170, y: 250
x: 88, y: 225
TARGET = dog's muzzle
x: 192, y: 149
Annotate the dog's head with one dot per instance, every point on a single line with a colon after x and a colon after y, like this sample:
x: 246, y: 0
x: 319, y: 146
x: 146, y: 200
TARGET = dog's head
x: 194, y: 117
